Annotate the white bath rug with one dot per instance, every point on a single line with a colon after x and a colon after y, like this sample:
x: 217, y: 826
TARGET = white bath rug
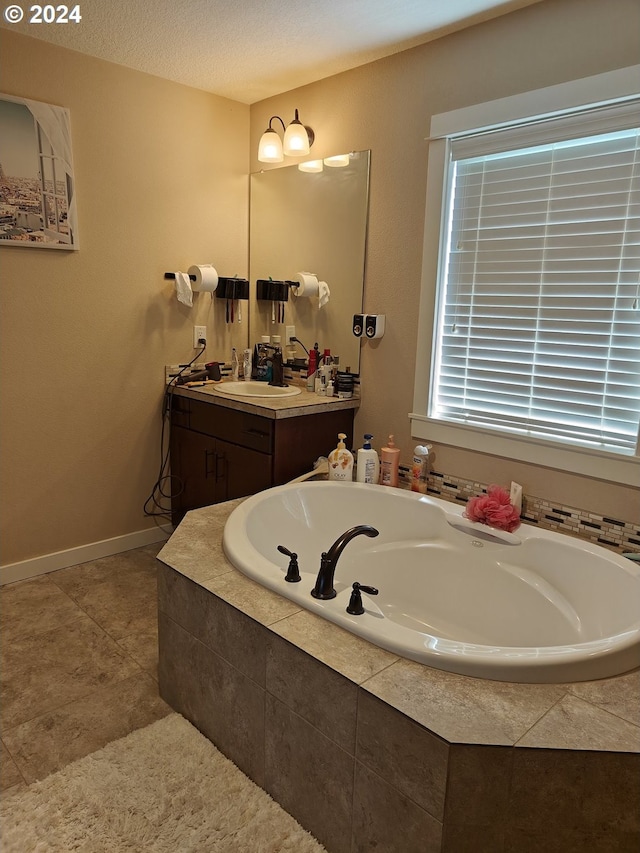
x: 162, y: 788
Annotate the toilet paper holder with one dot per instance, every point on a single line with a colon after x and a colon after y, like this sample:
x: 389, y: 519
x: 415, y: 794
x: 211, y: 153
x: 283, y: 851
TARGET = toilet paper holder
x: 172, y: 276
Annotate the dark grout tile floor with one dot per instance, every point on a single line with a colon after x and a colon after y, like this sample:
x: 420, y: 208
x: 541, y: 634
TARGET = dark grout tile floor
x: 79, y: 662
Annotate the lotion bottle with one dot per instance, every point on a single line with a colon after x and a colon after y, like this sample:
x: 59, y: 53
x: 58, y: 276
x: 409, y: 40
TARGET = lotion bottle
x: 420, y: 468
x: 368, y: 465
x: 341, y: 462
x: 389, y: 464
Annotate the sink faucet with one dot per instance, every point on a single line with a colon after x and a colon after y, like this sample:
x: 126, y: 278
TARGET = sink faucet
x: 329, y: 559
x: 277, y: 367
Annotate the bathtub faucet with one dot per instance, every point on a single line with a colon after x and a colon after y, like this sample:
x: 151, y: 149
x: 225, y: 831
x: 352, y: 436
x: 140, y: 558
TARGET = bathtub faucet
x: 329, y: 559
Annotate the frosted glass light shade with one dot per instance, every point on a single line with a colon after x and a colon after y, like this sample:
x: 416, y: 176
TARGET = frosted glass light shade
x: 296, y: 140
x: 338, y: 161
x: 270, y: 147
x: 311, y: 166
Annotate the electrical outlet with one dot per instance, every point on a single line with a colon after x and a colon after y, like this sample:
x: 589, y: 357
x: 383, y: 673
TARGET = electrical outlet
x: 290, y: 333
x: 199, y: 332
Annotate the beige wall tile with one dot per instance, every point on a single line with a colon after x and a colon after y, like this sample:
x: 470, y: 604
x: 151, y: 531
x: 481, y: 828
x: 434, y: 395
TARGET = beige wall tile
x: 261, y: 604
x: 462, y: 709
x: 568, y: 797
x: 478, y: 784
x: 229, y: 632
x: 309, y: 775
x: 313, y: 690
x: 348, y: 654
x: 406, y: 755
x: 575, y: 724
x: 219, y: 700
x: 383, y: 819
x: 617, y: 695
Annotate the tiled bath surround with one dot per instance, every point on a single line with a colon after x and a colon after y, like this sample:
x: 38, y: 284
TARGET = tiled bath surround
x: 372, y: 752
x: 612, y: 533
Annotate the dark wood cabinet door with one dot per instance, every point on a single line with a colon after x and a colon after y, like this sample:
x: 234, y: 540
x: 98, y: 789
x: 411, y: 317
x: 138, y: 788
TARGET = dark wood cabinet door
x: 245, y: 471
x: 196, y: 471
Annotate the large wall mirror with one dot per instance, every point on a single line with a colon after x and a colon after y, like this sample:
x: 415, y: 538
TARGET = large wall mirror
x: 312, y: 222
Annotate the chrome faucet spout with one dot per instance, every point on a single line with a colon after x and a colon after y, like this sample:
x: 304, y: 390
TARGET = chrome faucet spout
x: 329, y: 560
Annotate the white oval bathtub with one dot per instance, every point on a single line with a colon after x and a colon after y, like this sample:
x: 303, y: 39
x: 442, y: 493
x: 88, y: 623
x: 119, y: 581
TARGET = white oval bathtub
x: 534, y: 606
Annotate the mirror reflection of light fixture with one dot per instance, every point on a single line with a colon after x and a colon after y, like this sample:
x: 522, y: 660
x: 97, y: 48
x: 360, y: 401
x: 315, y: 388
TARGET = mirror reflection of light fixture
x: 311, y: 166
x: 338, y: 161
x: 298, y: 139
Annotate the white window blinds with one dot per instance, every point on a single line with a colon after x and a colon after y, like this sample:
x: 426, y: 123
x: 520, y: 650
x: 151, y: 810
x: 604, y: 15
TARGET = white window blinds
x: 538, y: 327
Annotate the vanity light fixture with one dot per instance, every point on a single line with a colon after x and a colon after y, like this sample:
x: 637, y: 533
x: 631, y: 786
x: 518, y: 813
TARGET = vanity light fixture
x: 338, y: 161
x: 298, y: 139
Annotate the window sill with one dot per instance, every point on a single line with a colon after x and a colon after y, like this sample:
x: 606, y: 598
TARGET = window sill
x: 600, y: 465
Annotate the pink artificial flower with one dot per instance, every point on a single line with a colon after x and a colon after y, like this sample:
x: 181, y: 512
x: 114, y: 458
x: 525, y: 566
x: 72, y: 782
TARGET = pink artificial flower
x: 495, y: 509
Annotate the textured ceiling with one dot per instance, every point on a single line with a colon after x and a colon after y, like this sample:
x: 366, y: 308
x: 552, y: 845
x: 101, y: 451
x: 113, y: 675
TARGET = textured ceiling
x: 249, y: 50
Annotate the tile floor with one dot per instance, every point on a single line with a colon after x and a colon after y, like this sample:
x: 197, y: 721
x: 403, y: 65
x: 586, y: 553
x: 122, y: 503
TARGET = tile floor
x: 79, y: 660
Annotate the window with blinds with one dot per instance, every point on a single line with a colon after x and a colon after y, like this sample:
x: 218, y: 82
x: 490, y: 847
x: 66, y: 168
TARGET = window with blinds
x: 538, y: 320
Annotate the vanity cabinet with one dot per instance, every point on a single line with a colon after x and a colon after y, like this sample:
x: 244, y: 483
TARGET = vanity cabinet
x: 219, y: 453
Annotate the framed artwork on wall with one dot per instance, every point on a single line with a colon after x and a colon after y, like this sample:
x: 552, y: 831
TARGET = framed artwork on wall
x: 37, y: 184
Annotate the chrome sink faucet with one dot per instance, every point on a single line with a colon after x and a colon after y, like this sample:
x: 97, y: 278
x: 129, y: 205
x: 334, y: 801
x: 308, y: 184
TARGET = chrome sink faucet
x: 329, y: 560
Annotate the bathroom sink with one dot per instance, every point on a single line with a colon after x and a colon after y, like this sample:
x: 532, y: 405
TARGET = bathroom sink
x: 256, y: 389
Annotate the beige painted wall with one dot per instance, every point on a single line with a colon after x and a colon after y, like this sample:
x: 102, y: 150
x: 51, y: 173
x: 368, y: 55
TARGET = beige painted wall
x: 387, y: 106
x: 161, y: 173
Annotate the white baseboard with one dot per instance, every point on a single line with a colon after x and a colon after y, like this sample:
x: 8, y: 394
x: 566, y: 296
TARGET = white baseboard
x: 82, y: 554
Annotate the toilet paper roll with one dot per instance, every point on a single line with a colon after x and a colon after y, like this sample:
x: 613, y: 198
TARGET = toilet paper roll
x: 206, y: 277
x: 306, y: 284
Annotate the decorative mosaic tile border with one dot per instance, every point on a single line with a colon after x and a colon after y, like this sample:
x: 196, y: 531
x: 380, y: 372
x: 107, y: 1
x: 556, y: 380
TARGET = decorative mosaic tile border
x: 618, y: 536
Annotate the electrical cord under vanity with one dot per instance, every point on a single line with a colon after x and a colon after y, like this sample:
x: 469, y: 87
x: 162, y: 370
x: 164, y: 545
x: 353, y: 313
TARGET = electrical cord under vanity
x: 153, y: 506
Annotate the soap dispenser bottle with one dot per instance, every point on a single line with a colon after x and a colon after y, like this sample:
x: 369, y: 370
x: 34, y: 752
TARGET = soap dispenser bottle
x: 341, y: 462
x: 368, y: 464
x: 389, y: 464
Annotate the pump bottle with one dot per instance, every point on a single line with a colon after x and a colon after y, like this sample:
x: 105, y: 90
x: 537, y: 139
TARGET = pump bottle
x: 389, y: 464
x: 368, y: 464
x: 420, y: 468
x: 341, y: 462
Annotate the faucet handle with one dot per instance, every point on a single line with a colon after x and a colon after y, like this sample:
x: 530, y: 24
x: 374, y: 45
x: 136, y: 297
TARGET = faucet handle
x: 293, y: 572
x: 355, y: 607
